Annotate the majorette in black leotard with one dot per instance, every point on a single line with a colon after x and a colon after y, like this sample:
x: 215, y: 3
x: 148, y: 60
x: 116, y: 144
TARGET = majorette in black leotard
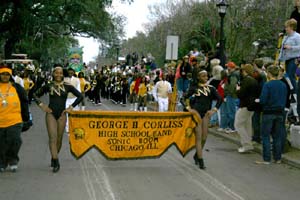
x: 201, y: 97
x: 58, y: 94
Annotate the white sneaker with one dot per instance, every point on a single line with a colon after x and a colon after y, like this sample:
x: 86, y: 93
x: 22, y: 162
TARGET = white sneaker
x: 277, y: 161
x: 221, y: 129
x: 13, y: 168
x: 229, y: 130
x: 232, y: 131
x: 258, y: 162
x: 245, y: 149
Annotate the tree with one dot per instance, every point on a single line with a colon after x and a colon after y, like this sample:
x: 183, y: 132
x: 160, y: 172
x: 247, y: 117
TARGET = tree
x: 43, y: 24
x: 197, y: 24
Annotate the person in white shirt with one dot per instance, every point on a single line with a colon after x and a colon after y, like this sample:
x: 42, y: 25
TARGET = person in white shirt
x: 17, y: 78
x: 161, y: 92
x: 74, y: 81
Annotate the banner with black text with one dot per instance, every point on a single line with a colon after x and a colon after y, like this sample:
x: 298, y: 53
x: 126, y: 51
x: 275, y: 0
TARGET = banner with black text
x: 131, y: 135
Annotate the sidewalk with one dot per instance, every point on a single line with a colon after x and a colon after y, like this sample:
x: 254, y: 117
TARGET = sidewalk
x: 291, y: 158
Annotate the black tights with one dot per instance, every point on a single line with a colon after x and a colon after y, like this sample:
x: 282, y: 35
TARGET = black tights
x: 201, y: 135
x: 55, y: 128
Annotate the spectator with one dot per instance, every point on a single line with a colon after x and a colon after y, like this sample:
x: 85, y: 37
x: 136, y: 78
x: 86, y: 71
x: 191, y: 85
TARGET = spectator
x: 214, y: 81
x: 296, y: 15
x: 183, y: 81
x: 195, y: 70
x: 220, y: 89
x: 261, y: 78
x: 290, y: 49
x: 247, y: 92
x: 273, y: 101
x: 231, y: 100
x: 14, y: 106
x: 287, y: 83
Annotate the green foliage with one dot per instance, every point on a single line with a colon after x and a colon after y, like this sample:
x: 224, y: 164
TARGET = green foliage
x: 45, y: 28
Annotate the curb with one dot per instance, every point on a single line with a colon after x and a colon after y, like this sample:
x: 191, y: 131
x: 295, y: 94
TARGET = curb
x: 285, y: 157
x: 258, y: 149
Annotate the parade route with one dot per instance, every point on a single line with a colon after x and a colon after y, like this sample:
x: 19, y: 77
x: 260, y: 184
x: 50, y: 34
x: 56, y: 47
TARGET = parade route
x: 229, y: 175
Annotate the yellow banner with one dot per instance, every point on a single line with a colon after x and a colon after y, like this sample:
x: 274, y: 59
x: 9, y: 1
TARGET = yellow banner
x: 124, y: 135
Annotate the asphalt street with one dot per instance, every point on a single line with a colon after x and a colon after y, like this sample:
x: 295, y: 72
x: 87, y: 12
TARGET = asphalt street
x: 229, y: 175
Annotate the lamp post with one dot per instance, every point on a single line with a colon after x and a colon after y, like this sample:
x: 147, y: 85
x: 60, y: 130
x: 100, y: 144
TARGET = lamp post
x: 118, y: 51
x: 222, y: 6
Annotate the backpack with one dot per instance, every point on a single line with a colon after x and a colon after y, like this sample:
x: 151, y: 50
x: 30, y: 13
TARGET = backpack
x: 220, y: 88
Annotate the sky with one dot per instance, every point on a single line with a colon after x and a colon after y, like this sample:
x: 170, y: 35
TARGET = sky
x: 136, y: 14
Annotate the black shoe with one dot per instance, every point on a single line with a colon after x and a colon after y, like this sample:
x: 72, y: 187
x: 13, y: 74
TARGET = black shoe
x: 201, y: 163
x: 52, y: 162
x: 56, y: 165
x: 196, y: 159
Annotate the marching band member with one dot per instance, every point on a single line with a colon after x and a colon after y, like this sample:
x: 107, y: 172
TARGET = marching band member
x: 124, y: 90
x: 198, y: 100
x: 84, y: 87
x: 74, y: 81
x: 161, y: 92
x: 132, y: 94
x: 56, y: 118
x: 142, y: 95
x: 136, y: 89
x: 17, y: 78
x: 28, y: 83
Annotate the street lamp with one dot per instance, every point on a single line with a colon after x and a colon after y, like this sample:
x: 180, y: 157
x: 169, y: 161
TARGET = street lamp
x: 222, y: 6
x: 118, y: 50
